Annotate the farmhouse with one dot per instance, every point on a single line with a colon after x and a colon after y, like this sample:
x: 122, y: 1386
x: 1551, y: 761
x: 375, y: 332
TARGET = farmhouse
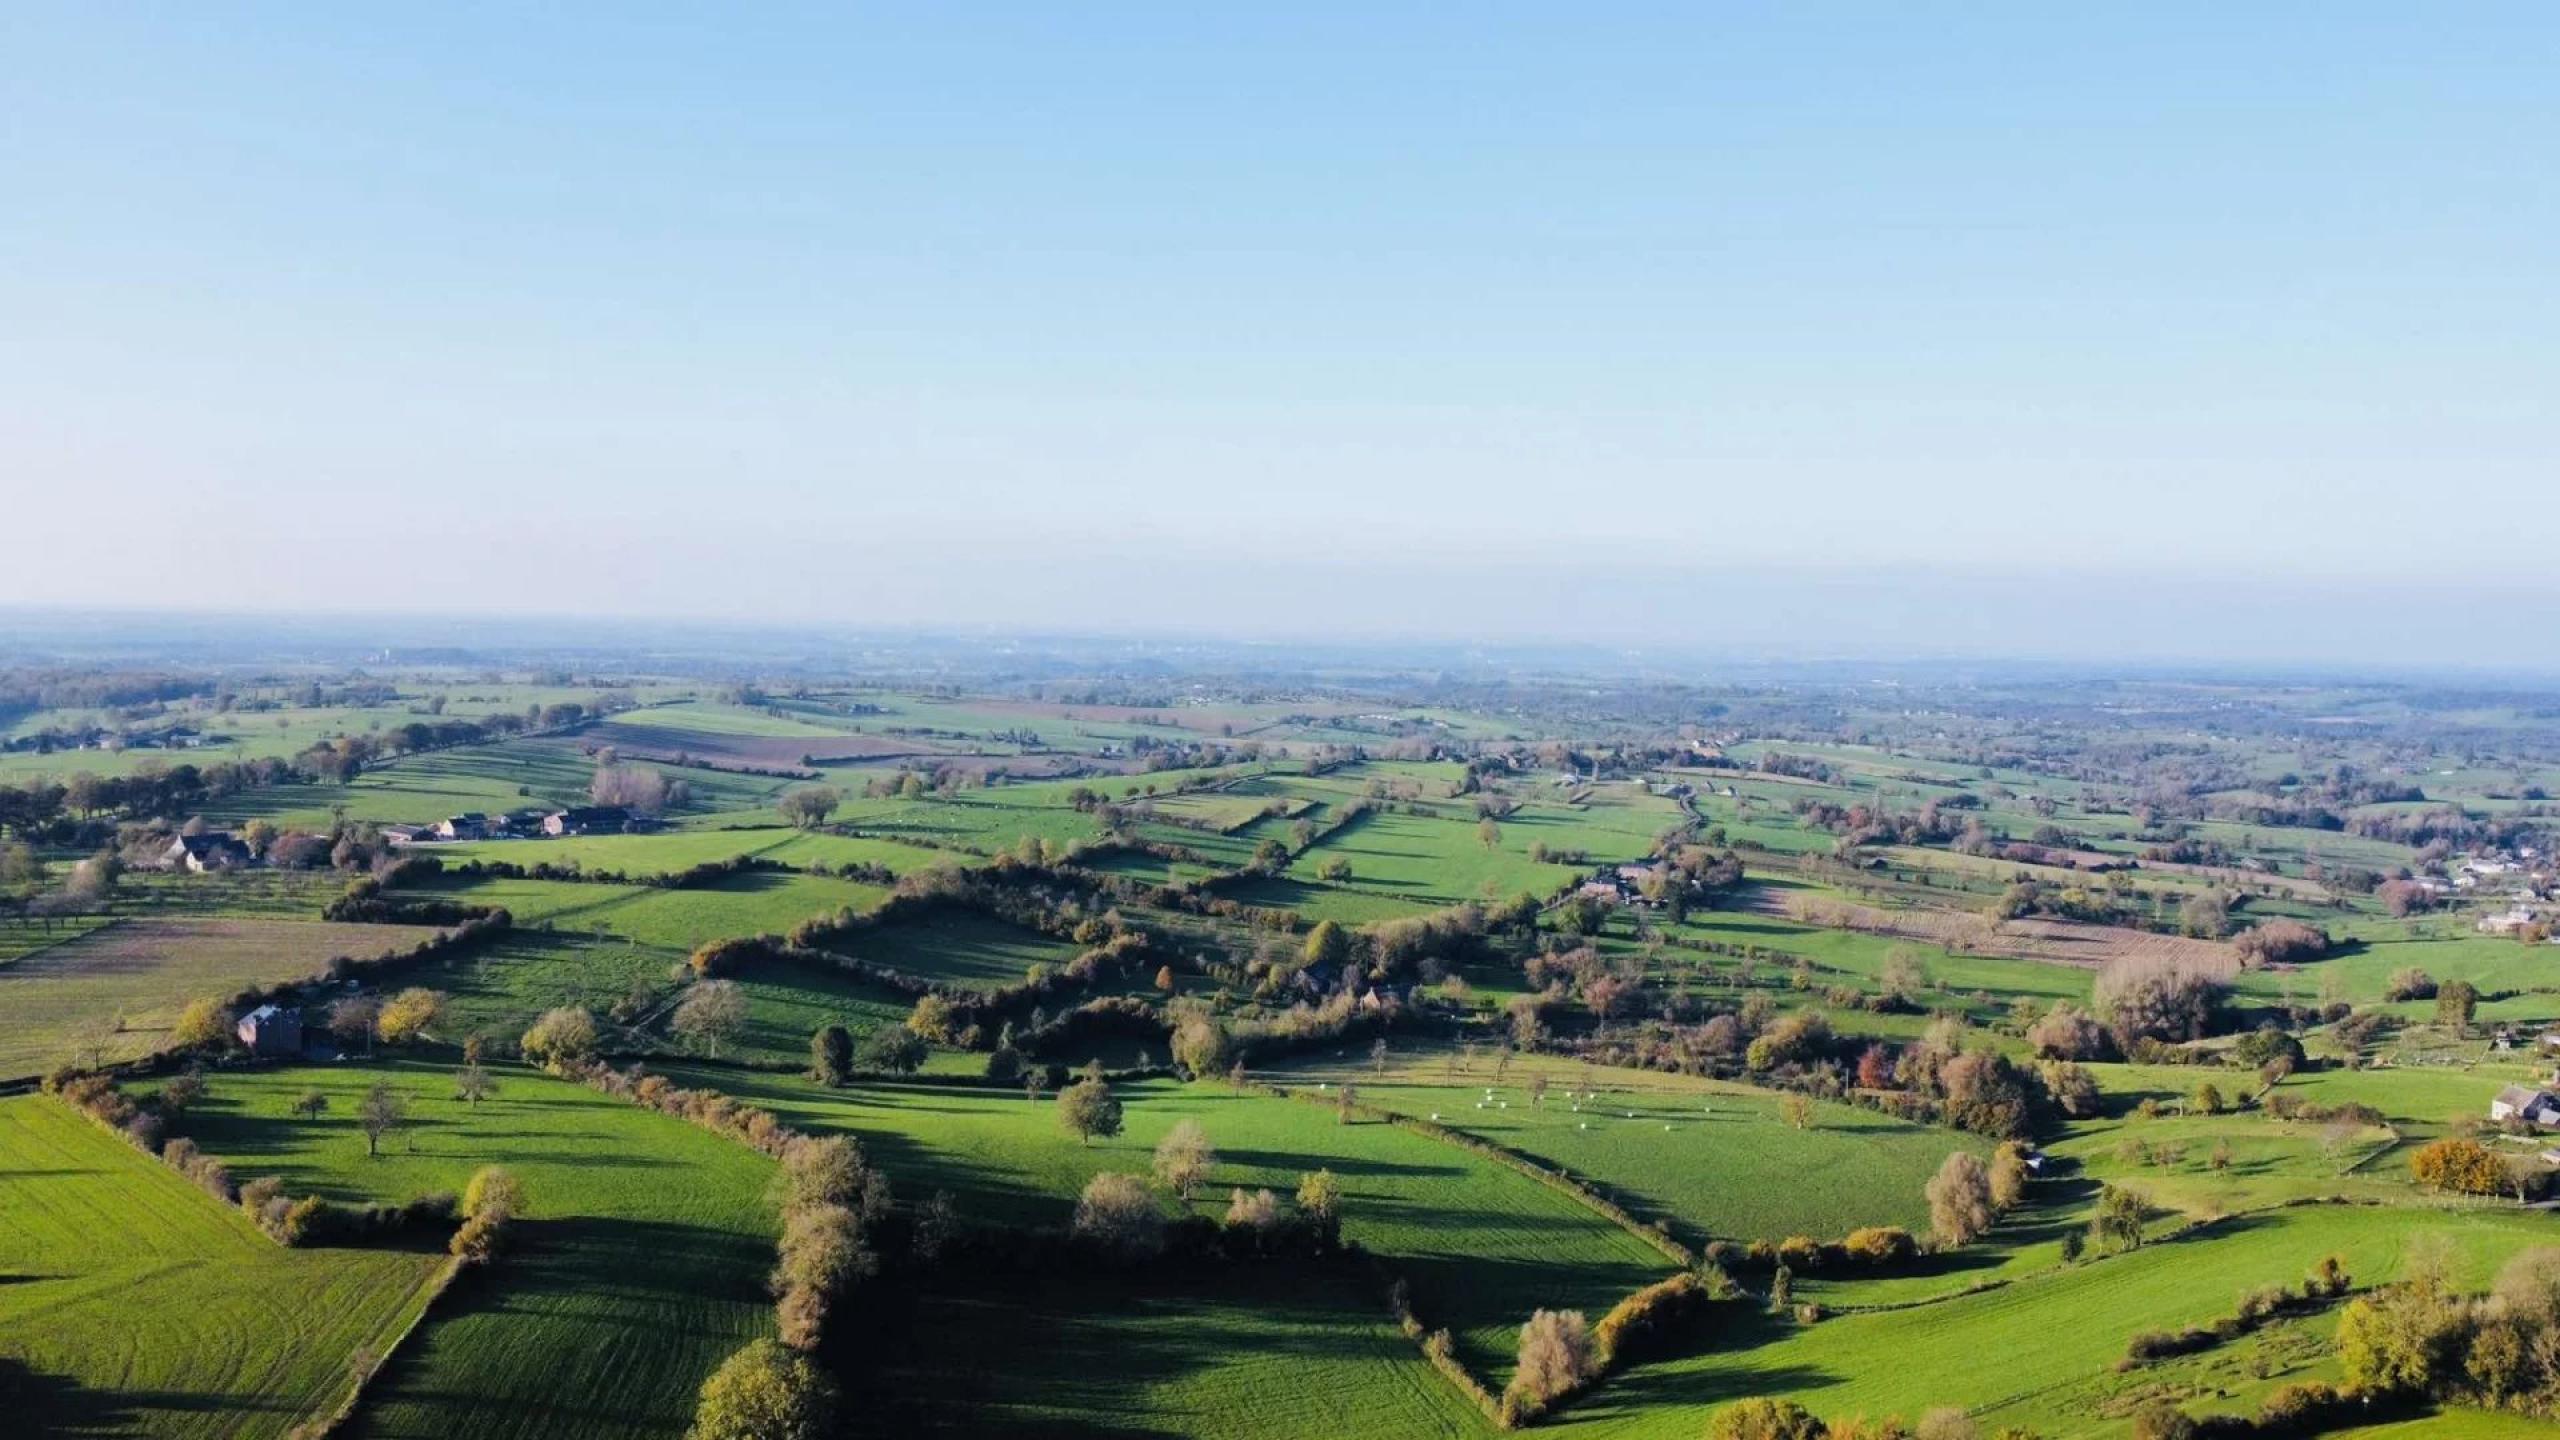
x: 2534, y: 1107
x: 272, y: 1030
x: 468, y: 826
x: 587, y: 820
x: 203, y: 854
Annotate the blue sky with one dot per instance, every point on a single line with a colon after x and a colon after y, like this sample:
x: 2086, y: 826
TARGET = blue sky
x: 1374, y: 319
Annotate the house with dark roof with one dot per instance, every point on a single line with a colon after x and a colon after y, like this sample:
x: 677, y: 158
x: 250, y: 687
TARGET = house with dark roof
x: 2537, y: 1108
x: 469, y: 826
x: 205, y: 853
x: 587, y: 820
x: 272, y: 1030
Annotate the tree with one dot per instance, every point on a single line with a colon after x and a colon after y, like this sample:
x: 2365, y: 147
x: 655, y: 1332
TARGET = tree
x: 1118, y: 1213
x: 2008, y: 1178
x: 2460, y: 1167
x: 382, y: 1111
x: 205, y: 1024
x: 2119, y: 1217
x: 808, y: 806
x: 1320, y: 1198
x: 1905, y: 975
x: 311, y: 1105
x: 633, y: 787
x: 1378, y: 1056
x: 1960, y: 1199
x: 1797, y: 1109
x: 713, y: 1013
x: 405, y: 1016
x: 182, y: 1091
x: 2456, y: 1001
x: 1555, y: 1358
x: 831, y: 1055
x: 1183, y: 1158
x: 472, y: 1083
x: 1200, y: 1045
x: 1087, y: 1108
x: 1327, y: 945
x: 933, y: 1019
x: 562, y: 1037
x: 1489, y: 833
x: 351, y: 1022
x: 892, y: 1050
x: 765, y: 1392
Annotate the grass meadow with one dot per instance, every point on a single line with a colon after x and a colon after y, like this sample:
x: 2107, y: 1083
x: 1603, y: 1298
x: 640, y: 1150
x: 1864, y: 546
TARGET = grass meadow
x: 641, y: 1264
x: 145, y: 1307
x: 1482, y: 1246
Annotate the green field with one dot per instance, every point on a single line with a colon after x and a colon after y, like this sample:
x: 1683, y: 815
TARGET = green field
x: 144, y: 1306
x: 1714, y: 1159
x: 641, y: 1266
x: 1482, y: 1245
x: 957, y: 947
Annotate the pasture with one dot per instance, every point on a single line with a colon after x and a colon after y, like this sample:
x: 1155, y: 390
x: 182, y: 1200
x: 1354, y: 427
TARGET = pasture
x: 570, y: 1334
x: 1714, y: 1159
x: 1482, y: 1245
x: 956, y: 947
x: 114, y: 991
x: 143, y: 1306
x: 1262, y: 1353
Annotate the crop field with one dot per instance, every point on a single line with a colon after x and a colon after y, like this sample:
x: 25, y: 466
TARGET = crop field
x: 117, y: 989
x: 570, y: 1334
x: 145, y: 1306
x: 1714, y: 1159
x: 1271, y: 1354
x: 957, y: 947
x: 1481, y: 1245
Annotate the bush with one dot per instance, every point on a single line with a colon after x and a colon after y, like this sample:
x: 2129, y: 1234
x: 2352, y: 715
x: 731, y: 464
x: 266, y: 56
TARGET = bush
x: 1119, y: 1214
x: 1641, y: 1324
x: 1764, y: 1419
x: 2460, y: 1167
x: 1556, y: 1359
x: 764, y: 1392
x: 1880, y: 1245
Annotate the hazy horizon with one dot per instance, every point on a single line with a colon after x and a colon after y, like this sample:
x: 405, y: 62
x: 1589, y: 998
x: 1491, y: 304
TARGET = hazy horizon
x: 2185, y: 334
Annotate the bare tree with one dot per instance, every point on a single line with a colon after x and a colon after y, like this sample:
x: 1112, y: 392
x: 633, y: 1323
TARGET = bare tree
x: 1183, y: 1159
x: 713, y: 1013
x: 383, y: 1111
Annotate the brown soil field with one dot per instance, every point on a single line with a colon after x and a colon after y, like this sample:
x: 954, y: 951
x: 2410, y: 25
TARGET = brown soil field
x: 117, y: 989
x: 2054, y: 942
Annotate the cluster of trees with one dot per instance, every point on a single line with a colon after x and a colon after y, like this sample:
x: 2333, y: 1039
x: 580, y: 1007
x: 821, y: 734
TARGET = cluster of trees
x: 1966, y: 1195
x: 2424, y: 1337
x: 1120, y: 1217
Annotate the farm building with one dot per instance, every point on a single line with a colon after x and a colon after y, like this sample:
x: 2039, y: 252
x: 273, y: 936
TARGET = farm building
x: 587, y: 820
x: 407, y: 834
x: 272, y: 1030
x: 2534, y: 1107
x: 469, y: 826
x: 203, y: 854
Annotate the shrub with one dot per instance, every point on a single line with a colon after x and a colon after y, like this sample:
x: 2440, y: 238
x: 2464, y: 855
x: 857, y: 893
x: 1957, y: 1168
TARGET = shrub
x: 1556, y: 1359
x: 1960, y: 1199
x: 1765, y: 1419
x: 764, y: 1392
x: 1880, y: 1245
x: 1640, y: 1324
x: 1117, y: 1213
